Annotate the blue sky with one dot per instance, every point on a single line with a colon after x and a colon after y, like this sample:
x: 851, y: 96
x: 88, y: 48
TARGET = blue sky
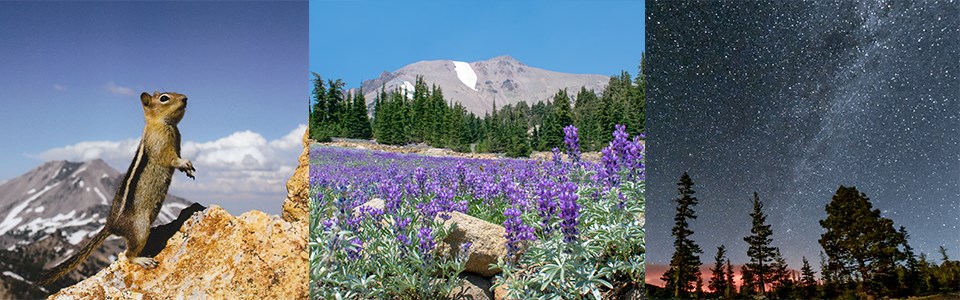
x: 357, y: 40
x: 72, y: 73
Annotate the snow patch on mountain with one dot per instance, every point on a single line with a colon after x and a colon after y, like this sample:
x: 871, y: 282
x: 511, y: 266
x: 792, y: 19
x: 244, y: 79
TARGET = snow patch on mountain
x: 102, y: 197
x: 14, y: 275
x: 77, y: 237
x: 13, y: 218
x: 466, y: 74
x: 60, y: 221
x: 408, y: 88
x: 78, y: 171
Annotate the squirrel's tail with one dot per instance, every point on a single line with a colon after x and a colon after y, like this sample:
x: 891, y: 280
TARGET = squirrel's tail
x: 74, y: 261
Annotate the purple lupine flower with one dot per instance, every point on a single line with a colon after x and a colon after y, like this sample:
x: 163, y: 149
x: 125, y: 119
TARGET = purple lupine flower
x: 391, y: 195
x: 620, y: 141
x: 327, y: 223
x: 354, y: 222
x: 634, y: 159
x: 429, y: 209
x: 371, y: 212
x: 399, y: 229
x: 556, y: 156
x: 572, y: 140
x: 426, y: 240
x: 569, y: 211
x: 354, y: 253
x: 516, y: 232
x: 421, y: 177
x: 411, y: 190
x: 512, y: 230
x: 610, y: 165
x: 514, y: 195
x: 545, y: 204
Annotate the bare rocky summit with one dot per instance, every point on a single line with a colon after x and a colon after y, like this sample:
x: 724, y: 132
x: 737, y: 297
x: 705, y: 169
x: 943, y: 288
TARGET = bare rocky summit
x: 478, y: 84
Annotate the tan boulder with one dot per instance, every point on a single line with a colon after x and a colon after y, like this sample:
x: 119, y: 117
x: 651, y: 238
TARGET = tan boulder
x: 472, y: 287
x: 487, y: 238
x: 214, y: 255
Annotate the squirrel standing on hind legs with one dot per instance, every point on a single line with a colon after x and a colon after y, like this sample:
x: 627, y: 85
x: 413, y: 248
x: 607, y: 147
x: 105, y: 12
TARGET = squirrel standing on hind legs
x: 141, y: 193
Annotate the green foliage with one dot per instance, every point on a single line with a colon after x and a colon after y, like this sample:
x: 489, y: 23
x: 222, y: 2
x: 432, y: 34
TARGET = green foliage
x: 399, y: 271
x: 607, y: 261
x: 560, y: 115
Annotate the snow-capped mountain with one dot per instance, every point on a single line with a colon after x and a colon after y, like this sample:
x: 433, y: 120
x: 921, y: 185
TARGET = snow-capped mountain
x: 50, y: 212
x: 477, y: 84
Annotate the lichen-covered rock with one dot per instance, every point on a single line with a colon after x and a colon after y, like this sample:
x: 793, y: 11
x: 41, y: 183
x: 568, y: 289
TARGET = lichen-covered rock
x: 487, y: 238
x: 298, y: 188
x: 214, y: 255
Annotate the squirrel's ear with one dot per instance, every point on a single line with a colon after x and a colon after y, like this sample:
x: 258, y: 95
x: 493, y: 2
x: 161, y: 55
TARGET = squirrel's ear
x: 145, y: 98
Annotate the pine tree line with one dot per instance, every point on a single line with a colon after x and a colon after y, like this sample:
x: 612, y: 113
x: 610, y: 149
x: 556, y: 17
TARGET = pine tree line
x: 334, y: 113
x: 864, y: 257
x: 424, y: 116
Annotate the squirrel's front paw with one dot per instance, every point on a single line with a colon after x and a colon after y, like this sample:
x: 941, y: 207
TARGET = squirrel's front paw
x: 187, y: 167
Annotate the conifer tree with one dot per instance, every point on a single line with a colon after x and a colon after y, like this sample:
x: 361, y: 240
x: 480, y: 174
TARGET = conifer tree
x: 718, y: 281
x: 585, y: 118
x: 362, y: 128
x: 808, y: 283
x: 859, y: 241
x: 560, y: 116
x: 731, y: 284
x: 318, y: 109
x: 761, y: 253
x: 685, y: 263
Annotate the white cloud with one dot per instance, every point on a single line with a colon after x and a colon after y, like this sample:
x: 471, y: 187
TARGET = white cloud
x: 59, y: 88
x: 118, y: 90
x: 243, y: 164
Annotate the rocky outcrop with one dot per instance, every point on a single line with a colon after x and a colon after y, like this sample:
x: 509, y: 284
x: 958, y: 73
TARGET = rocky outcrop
x: 213, y: 255
x: 298, y: 187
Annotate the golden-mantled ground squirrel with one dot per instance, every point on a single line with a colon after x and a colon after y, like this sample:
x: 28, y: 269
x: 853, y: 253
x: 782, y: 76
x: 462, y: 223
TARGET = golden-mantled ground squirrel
x: 141, y: 193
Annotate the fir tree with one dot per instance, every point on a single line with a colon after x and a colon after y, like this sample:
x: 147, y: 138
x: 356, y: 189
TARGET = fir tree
x: 761, y: 254
x: 318, y: 109
x: 731, y: 284
x: 559, y: 117
x: 361, y: 122
x: 685, y: 263
x: 585, y: 118
x: 808, y: 283
x: 718, y: 281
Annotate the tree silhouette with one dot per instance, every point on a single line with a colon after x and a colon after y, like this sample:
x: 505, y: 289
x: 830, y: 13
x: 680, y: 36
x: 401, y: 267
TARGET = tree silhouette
x: 762, y: 254
x: 861, y: 242
x: 718, y: 280
x: 808, y: 283
x: 685, y: 263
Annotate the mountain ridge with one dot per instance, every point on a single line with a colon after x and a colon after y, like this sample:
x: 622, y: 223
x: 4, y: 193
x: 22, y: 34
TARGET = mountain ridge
x: 502, y: 80
x: 50, y: 212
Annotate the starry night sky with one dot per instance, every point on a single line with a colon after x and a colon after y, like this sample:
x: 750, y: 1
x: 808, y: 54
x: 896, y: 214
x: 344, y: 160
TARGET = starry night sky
x: 793, y: 99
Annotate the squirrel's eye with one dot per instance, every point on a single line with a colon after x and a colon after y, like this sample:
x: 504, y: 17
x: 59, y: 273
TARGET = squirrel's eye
x: 164, y: 98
